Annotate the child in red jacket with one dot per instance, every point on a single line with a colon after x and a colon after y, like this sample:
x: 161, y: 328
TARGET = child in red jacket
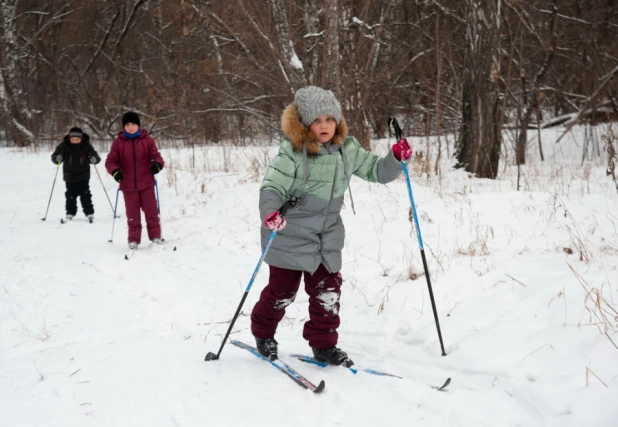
x: 133, y: 161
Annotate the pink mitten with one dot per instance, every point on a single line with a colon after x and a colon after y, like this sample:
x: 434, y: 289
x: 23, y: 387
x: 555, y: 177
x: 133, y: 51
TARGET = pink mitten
x: 275, y: 222
x: 402, y: 150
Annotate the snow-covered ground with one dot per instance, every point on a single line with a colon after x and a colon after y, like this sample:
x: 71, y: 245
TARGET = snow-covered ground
x: 90, y: 339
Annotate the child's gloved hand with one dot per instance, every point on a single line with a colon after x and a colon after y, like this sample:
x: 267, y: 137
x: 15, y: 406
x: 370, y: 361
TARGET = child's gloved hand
x: 117, y: 174
x: 402, y: 150
x: 93, y: 160
x: 59, y: 158
x: 275, y: 222
x: 155, y: 168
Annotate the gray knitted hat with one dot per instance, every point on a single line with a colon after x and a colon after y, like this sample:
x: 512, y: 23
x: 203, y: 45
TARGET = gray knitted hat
x: 76, y: 133
x: 312, y: 102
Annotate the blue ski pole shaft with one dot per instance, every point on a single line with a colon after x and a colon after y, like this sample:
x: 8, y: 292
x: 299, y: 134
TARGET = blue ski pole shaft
x: 158, y: 203
x: 52, y: 192
x: 399, y: 134
x: 212, y: 356
x: 114, y: 220
x: 422, y: 248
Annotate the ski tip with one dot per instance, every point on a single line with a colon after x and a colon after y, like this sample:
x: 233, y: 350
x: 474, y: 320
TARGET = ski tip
x: 320, y: 387
x: 446, y: 383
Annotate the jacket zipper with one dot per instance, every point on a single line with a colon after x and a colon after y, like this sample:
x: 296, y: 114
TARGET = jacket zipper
x: 134, y: 164
x: 330, y: 200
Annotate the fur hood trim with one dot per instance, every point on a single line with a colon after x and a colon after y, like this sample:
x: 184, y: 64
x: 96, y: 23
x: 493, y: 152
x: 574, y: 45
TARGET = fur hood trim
x: 298, y: 134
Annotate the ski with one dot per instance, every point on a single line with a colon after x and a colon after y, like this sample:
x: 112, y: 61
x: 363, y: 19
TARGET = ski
x: 129, y: 255
x: 65, y: 221
x: 355, y: 369
x: 283, y: 367
x: 443, y: 386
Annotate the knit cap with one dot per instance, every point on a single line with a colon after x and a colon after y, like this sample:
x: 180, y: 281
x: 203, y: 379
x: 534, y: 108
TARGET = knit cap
x: 76, y: 133
x: 313, y: 102
x: 130, y: 117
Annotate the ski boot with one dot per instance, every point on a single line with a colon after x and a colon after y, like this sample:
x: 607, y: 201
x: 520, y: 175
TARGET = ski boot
x: 332, y: 356
x: 267, y: 347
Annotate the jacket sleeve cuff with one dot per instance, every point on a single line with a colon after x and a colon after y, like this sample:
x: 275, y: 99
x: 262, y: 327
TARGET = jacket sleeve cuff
x: 389, y: 168
x: 270, y: 201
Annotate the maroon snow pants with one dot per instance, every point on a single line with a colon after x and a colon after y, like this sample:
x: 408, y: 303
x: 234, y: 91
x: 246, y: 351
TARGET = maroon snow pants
x: 323, y: 288
x: 146, y: 201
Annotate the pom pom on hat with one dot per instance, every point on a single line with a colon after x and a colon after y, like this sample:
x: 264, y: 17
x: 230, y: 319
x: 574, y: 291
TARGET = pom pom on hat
x: 313, y: 102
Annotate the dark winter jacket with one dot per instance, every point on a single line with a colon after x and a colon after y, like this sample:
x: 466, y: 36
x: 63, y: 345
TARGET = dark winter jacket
x: 315, y: 176
x: 76, y: 158
x: 134, y: 157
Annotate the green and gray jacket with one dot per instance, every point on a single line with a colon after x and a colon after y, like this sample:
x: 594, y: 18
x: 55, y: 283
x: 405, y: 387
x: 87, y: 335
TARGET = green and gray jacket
x: 311, y: 178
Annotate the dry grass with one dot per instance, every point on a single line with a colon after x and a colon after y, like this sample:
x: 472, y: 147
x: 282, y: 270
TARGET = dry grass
x: 602, y: 312
x: 561, y: 294
x: 588, y: 372
x: 610, y: 138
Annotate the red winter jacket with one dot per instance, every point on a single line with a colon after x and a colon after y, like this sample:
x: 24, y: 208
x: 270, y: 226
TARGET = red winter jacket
x: 134, y: 157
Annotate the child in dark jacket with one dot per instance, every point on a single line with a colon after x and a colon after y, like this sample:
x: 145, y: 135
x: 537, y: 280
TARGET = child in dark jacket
x: 76, y: 153
x: 133, y: 161
x: 309, y: 176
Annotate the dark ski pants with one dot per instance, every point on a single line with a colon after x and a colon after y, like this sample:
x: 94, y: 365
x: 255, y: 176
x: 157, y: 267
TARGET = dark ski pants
x: 146, y: 201
x: 81, y: 190
x: 323, y: 288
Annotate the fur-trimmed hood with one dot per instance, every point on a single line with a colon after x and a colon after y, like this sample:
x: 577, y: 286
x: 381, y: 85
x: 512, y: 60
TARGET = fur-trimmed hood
x: 298, y: 133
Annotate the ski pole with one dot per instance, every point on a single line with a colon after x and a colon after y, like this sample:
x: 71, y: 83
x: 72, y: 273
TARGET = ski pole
x: 114, y: 220
x: 398, y: 135
x: 52, y: 192
x: 158, y: 203
x: 212, y: 356
x: 105, y: 190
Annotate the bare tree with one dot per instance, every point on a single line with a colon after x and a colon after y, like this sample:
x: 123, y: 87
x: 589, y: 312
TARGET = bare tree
x: 331, y: 64
x: 14, y: 110
x: 530, y: 98
x: 203, y: 71
x: 480, y: 138
x: 293, y: 68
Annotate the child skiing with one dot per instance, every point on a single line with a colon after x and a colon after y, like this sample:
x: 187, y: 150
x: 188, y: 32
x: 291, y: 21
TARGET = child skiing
x: 76, y: 153
x: 133, y: 160
x: 308, y: 178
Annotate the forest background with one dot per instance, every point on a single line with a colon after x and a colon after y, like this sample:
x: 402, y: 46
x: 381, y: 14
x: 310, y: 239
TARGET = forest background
x: 204, y: 72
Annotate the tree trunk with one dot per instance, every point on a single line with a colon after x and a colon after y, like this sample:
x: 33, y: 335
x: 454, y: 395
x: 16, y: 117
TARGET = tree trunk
x: 13, y: 109
x: 331, y: 68
x: 480, y: 139
x: 293, y: 65
x: 313, y: 37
